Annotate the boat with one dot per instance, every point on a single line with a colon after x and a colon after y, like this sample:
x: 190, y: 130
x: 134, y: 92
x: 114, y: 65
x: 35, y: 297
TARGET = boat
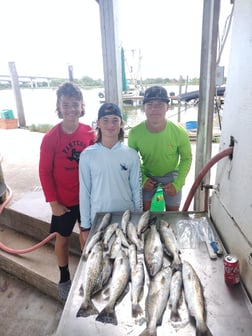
x: 132, y: 88
x: 132, y: 96
x: 193, y: 95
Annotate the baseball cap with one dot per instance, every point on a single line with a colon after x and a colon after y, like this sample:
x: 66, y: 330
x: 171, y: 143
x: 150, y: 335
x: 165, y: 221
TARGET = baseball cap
x: 108, y: 109
x: 155, y: 93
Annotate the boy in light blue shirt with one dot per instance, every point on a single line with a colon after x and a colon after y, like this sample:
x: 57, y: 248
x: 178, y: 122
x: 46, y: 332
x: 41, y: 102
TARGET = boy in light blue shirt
x: 109, y: 171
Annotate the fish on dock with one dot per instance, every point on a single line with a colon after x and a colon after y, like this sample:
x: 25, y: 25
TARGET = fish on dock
x: 132, y: 235
x: 137, y: 288
x: 115, y: 247
x: 93, y: 270
x: 124, y: 240
x: 105, y: 221
x: 117, y: 290
x: 156, y: 301
x: 153, y: 251
x: 110, y: 229
x: 143, y: 222
x: 91, y: 243
x: 194, y: 299
x: 125, y: 220
x: 175, y: 295
x: 170, y: 243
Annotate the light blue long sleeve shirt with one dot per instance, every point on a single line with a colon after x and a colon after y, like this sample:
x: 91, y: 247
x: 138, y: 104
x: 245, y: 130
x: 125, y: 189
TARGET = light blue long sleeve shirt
x: 110, y: 180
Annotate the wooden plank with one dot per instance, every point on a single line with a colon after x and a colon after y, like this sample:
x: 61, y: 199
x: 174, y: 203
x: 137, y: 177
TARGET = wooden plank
x: 17, y: 94
x: 111, y: 51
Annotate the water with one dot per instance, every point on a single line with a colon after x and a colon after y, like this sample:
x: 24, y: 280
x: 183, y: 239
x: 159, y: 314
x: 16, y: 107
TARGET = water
x: 40, y: 104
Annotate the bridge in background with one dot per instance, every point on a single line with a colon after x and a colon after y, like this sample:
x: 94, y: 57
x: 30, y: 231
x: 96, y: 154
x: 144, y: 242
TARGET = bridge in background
x: 33, y: 80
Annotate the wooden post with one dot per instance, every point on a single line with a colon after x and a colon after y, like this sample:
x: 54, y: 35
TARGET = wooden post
x: 179, y: 102
x: 211, y: 13
x: 111, y: 51
x: 17, y: 94
x: 70, y: 73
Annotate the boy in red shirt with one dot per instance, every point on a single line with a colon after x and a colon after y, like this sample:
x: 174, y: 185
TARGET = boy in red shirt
x: 59, y: 172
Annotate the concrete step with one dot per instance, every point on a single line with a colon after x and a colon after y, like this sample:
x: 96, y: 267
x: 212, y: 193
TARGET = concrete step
x: 38, y: 268
x: 26, y: 311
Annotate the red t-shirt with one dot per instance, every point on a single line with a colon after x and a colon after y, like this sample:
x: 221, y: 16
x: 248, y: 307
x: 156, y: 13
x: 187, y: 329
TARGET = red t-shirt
x: 59, y: 163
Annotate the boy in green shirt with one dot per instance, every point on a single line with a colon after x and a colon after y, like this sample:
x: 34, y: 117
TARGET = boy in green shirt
x: 165, y: 150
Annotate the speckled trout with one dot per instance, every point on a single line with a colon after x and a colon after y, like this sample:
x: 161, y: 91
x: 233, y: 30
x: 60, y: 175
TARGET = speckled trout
x: 194, y: 298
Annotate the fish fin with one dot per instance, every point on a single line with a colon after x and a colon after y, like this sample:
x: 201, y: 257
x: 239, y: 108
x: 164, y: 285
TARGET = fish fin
x: 107, y: 315
x: 87, y: 311
x: 175, y: 317
x: 136, y: 310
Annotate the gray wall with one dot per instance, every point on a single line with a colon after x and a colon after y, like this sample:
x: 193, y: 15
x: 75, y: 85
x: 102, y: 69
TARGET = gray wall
x: 231, y: 207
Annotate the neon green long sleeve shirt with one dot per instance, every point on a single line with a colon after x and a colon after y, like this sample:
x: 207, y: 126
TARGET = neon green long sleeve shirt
x: 162, y: 152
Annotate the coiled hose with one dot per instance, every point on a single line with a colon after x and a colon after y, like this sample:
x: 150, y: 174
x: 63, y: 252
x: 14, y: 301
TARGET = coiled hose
x: 26, y: 250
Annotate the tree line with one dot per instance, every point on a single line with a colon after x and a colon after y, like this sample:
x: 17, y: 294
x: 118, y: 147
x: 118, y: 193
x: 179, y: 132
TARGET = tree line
x: 88, y: 82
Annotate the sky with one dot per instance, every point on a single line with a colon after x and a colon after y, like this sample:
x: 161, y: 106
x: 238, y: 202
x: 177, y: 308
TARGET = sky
x: 44, y: 37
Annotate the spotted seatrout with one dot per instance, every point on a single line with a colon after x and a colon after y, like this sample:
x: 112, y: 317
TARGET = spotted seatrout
x: 118, y: 285
x: 93, y: 270
x: 170, y: 243
x: 156, y: 300
x: 194, y: 298
x: 153, y: 251
x: 175, y: 295
x: 143, y: 222
x: 137, y: 287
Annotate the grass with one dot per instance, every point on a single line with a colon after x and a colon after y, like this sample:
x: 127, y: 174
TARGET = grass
x: 41, y: 128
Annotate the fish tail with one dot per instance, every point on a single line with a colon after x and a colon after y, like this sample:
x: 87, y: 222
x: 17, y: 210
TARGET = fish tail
x: 136, y: 310
x: 175, y: 316
x: 87, y: 311
x: 107, y: 315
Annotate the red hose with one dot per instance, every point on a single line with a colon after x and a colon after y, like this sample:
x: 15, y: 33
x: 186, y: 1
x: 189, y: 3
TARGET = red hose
x: 29, y: 249
x: 203, y: 172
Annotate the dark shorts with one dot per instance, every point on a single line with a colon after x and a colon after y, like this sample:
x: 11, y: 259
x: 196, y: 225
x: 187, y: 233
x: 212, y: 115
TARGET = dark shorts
x: 64, y: 224
x: 169, y: 200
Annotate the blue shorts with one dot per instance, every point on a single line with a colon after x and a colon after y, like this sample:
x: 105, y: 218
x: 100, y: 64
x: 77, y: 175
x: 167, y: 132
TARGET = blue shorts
x: 64, y: 224
x: 167, y: 178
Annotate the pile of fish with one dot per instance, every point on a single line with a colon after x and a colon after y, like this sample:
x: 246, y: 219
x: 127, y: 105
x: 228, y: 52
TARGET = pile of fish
x: 123, y: 256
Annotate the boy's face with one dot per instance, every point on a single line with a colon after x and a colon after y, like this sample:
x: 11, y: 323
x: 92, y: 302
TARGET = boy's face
x: 70, y: 107
x: 110, y: 125
x: 155, y: 111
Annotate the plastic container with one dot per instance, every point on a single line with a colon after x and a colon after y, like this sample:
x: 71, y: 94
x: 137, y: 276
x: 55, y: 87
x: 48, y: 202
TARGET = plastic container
x: 191, y: 125
x: 158, y: 203
x: 7, y: 114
